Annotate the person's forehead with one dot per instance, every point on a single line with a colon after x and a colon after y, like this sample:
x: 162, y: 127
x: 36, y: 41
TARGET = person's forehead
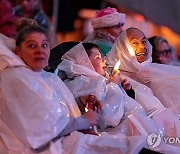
x: 36, y: 36
x: 135, y: 34
x: 95, y: 52
x: 163, y: 45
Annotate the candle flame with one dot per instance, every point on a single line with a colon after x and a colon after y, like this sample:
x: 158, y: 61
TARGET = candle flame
x: 86, y: 109
x: 116, y: 67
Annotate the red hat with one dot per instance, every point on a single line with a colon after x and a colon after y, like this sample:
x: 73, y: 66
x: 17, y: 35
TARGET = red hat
x: 107, y: 17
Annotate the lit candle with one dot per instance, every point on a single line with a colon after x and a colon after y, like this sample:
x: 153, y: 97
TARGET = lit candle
x: 86, y: 109
x: 116, y: 67
x: 93, y: 127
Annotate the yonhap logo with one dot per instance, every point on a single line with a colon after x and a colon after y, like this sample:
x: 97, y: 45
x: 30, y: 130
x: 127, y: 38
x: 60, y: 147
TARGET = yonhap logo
x: 154, y: 140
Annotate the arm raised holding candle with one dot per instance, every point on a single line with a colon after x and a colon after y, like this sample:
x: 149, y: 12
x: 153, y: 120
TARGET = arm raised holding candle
x: 123, y: 82
x: 118, y: 79
x: 115, y: 77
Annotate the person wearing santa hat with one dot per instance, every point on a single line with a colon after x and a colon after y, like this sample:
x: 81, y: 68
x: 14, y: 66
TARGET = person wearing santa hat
x: 107, y: 24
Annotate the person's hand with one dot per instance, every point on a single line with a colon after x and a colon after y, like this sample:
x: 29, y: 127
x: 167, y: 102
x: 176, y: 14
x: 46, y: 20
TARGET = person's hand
x: 92, y: 117
x: 116, y: 78
x: 97, y: 104
x: 125, y: 84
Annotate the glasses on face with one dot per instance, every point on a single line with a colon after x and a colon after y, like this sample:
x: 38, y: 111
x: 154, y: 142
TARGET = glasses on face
x: 165, y: 52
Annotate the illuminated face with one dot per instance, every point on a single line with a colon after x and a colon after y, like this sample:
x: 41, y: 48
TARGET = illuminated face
x: 34, y: 51
x: 98, y: 62
x: 29, y: 5
x: 138, y: 42
x: 115, y: 30
x: 164, y: 53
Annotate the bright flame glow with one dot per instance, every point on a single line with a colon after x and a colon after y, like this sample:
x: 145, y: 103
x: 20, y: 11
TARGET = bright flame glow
x: 131, y: 52
x: 86, y: 109
x: 116, y: 67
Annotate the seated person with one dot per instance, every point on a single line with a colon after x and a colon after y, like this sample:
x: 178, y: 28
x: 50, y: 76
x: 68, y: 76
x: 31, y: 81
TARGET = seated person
x: 134, y: 51
x: 92, y: 51
x: 84, y: 80
x: 107, y: 24
x: 31, y: 9
x: 36, y: 106
x: 161, y: 51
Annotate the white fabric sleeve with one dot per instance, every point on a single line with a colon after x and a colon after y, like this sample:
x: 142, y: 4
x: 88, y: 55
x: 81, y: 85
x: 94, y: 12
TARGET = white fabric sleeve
x: 75, y: 124
x: 31, y: 107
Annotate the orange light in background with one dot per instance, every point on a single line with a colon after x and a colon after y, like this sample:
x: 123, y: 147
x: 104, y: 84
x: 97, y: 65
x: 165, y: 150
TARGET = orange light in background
x: 172, y: 37
x: 87, y: 13
x: 139, y: 17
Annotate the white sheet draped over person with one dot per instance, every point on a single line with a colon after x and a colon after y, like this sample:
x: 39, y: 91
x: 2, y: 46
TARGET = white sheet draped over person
x: 162, y: 79
x: 119, y: 111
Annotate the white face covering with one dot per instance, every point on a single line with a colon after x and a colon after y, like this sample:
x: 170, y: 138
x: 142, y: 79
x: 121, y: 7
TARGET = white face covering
x: 122, y: 50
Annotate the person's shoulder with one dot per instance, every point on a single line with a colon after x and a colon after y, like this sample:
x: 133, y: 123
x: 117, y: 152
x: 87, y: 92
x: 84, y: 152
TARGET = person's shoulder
x: 40, y: 15
x: 50, y: 75
x: 18, y: 10
x: 42, y: 19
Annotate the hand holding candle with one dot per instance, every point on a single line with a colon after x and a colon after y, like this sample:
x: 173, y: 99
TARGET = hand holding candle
x: 93, y: 104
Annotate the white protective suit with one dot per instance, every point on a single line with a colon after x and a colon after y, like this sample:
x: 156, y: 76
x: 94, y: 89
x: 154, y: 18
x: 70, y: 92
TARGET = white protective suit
x: 164, y: 80
x: 117, y: 107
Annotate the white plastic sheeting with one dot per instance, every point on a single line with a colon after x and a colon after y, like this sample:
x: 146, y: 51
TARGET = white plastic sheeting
x: 133, y: 120
x: 34, y: 108
x: 160, y: 78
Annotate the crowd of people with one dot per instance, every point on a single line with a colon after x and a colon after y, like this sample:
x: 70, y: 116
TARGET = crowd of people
x: 98, y: 107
